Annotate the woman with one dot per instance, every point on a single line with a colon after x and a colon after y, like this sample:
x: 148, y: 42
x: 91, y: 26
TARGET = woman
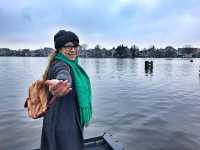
x: 64, y: 122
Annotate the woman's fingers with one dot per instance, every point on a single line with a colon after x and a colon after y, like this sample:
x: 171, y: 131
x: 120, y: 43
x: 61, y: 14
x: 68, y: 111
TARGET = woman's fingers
x: 61, y: 88
x: 55, y: 85
x: 67, y: 91
x: 52, y: 81
x: 58, y: 90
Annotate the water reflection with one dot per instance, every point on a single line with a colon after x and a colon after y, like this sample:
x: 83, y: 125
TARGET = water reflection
x: 97, y: 66
x: 120, y: 63
x: 148, y: 68
x: 149, y: 71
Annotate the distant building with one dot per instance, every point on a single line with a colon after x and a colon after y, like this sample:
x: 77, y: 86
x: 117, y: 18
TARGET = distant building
x: 188, y: 52
x: 4, y: 51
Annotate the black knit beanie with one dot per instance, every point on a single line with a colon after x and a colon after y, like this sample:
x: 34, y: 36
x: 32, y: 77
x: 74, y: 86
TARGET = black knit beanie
x: 62, y: 37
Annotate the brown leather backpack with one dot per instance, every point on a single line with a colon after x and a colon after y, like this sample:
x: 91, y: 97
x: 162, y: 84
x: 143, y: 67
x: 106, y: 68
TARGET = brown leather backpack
x: 37, y: 102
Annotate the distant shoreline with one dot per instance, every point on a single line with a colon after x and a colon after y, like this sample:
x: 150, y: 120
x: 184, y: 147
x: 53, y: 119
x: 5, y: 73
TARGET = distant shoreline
x: 120, y: 51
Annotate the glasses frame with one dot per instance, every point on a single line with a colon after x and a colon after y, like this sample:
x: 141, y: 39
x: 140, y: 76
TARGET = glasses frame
x: 69, y: 47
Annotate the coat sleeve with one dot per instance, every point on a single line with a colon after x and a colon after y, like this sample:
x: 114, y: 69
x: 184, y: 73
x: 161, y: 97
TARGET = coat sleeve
x: 61, y: 71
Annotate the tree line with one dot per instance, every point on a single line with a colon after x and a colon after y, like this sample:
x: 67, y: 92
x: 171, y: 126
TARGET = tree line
x: 121, y: 51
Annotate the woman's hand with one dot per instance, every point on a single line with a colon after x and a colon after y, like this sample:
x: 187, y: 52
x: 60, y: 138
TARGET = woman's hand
x: 59, y: 87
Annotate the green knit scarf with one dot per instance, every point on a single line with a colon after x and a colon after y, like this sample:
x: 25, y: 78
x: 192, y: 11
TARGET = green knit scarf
x: 82, y: 87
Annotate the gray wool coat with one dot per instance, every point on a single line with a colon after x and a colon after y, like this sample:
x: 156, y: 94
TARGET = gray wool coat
x: 61, y: 125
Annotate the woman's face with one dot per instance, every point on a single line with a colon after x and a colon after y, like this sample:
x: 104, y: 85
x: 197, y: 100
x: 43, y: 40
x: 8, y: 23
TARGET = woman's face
x: 70, y: 51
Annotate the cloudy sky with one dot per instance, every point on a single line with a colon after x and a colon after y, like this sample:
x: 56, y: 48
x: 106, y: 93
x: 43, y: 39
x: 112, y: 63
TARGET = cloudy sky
x: 33, y: 23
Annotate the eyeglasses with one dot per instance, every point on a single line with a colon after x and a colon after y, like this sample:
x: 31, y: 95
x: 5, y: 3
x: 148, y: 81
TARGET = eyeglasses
x: 71, y: 47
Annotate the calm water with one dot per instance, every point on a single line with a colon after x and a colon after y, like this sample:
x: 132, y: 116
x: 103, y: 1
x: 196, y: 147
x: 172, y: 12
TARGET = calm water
x: 158, y: 111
